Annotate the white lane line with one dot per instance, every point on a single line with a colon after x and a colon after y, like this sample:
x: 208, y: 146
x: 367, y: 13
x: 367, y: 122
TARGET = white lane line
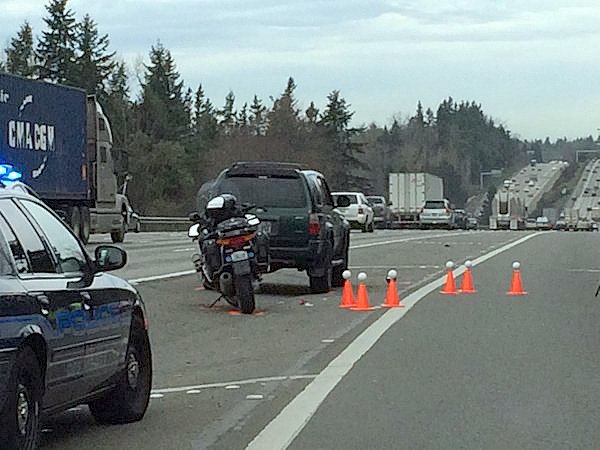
x: 162, y: 277
x: 414, y: 238
x: 187, y: 249
x: 585, y: 270
x: 373, y: 244
x: 231, y: 383
x: 284, y: 428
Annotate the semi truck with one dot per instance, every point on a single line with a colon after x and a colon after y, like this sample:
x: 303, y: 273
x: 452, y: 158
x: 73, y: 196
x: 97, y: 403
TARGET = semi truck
x: 60, y: 140
x: 508, y: 212
x: 408, y: 193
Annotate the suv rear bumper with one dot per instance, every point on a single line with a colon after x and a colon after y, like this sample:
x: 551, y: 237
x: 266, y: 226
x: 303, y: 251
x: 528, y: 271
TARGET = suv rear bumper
x: 295, y: 257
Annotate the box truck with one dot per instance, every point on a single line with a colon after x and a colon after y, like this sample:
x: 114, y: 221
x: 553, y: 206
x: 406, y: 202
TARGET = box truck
x: 408, y: 193
x: 59, y: 139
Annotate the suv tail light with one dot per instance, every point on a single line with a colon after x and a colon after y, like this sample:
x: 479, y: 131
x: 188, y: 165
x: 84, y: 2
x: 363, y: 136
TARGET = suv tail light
x: 314, y: 225
x: 361, y: 211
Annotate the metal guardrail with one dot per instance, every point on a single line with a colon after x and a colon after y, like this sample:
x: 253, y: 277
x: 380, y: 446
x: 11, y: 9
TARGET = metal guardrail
x: 149, y: 223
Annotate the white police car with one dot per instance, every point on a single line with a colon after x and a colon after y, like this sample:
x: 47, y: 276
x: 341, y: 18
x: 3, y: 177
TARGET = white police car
x: 69, y: 333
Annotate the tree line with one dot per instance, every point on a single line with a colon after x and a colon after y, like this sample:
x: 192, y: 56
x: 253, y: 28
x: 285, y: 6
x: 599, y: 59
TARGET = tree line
x: 174, y: 138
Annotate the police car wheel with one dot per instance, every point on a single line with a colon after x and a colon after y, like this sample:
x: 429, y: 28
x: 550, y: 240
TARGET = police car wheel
x: 129, y: 400
x: 20, y: 420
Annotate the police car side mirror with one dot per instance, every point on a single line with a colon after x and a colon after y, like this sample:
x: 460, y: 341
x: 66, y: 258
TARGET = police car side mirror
x: 109, y: 257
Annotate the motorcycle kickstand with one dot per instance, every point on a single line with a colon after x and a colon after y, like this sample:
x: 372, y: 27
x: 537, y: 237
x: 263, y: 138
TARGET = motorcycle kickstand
x: 219, y: 298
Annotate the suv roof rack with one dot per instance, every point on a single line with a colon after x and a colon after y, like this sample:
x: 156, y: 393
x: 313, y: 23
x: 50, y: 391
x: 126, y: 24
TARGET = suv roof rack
x: 264, y: 168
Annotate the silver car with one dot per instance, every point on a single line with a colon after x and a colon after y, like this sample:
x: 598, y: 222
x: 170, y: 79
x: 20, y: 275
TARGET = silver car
x: 436, y: 213
x: 381, y: 211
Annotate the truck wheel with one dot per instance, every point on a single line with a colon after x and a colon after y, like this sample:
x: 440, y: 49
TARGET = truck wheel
x: 119, y: 236
x: 20, y: 419
x: 75, y: 220
x: 129, y: 400
x: 244, y: 293
x: 84, y: 231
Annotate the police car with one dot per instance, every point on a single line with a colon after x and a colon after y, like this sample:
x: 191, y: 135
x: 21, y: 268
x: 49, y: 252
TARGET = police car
x: 69, y: 332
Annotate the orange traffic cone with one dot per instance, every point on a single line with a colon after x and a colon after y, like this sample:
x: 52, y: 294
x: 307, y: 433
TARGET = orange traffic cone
x: 517, y: 284
x: 392, y: 300
x: 467, y: 280
x: 450, y: 286
x: 362, y: 298
x: 348, y: 299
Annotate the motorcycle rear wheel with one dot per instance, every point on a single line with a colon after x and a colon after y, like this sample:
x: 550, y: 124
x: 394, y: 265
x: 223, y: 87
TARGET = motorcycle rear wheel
x: 244, y: 293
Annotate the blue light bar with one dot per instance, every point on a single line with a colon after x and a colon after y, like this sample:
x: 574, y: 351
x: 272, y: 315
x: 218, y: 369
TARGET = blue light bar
x: 8, y: 173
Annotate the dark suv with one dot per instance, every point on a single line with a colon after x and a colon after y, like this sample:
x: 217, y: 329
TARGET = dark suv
x: 69, y: 333
x: 295, y: 205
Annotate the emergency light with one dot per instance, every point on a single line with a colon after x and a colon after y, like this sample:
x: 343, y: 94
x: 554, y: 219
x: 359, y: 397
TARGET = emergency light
x: 8, y: 173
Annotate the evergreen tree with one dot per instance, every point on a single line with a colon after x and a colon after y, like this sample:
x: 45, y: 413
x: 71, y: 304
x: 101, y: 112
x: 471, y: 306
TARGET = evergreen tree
x: 118, y: 105
x: 336, y: 119
x: 284, y: 117
x: 56, y: 47
x: 258, y: 117
x: 93, y: 63
x: 20, y: 56
x: 205, y: 121
x: 228, y: 114
x: 312, y: 113
x: 163, y: 110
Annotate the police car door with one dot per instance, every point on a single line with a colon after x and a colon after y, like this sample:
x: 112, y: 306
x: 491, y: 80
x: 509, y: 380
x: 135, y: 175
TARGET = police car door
x: 62, y: 327
x: 106, y: 309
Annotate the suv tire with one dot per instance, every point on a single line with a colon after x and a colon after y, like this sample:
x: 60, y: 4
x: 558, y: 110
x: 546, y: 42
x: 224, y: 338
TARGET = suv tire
x: 20, y: 419
x: 337, y: 280
x: 128, y: 401
x: 322, y: 284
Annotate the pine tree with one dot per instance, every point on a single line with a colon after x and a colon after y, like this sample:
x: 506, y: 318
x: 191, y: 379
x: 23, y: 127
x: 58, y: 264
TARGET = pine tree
x: 312, y: 113
x: 20, y: 56
x: 205, y: 121
x: 118, y: 105
x: 228, y: 114
x: 93, y: 63
x: 163, y: 110
x: 56, y: 47
x: 336, y: 119
x: 284, y: 117
x: 257, y: 119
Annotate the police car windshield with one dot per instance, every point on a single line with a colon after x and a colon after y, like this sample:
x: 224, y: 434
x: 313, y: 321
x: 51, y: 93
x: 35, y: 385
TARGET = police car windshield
x: 265, y: 191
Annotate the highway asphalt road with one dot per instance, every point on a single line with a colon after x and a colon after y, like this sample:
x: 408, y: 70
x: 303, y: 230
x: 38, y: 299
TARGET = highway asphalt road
x: 479, y: 371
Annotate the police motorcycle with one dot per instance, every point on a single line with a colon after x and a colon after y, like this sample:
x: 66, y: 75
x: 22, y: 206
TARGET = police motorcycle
x: 233, y: 250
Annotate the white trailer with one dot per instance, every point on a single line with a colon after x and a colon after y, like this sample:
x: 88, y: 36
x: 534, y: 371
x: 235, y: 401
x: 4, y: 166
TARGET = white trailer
x: 408, y: 192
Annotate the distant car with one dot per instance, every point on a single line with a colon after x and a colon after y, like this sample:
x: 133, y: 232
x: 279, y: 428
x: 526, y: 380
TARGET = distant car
x: 531, y: 223
x: 561, y: 224
x: 542, y: 223
x: 381, y: 210
x: 460, y: 218
x: 583, y: 225
x: 358, y: 213
x: 436, y: 213
x: 472, y: 223
x: 595, y: 226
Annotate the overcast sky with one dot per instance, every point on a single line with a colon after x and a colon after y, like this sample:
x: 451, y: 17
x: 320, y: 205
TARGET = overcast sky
x: 533, y: 65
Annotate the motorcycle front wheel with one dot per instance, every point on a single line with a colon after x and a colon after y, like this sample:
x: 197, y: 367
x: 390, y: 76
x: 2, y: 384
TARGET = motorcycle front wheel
x: 244, y: 292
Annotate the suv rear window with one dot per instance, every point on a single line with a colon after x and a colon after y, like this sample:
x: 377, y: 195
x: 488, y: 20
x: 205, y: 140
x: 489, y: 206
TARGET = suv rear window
x: 437, y: 204
x: 269, y: 192
x: 352, y: 197
x: 376, y: 200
